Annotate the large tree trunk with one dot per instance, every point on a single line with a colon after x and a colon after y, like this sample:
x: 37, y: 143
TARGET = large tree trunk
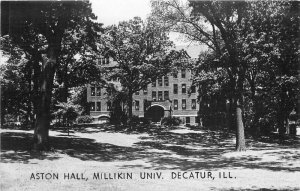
x: 36, y: 85
x: 65, y: 95
x: 240, y: 133
x: 29, y: 112
x: 257, y: 113
x: 1, y: 114
x: 130, y: 100
x: 199, y: 111
x: 282, y: 116
x: 232, y: 114
x: 64, y: 92
x: 41, y: 132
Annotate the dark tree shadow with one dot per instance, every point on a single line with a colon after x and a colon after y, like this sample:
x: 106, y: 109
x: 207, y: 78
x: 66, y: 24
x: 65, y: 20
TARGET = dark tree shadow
x: 194, y: 151
x: 16, y: 147
x: 160, y: 149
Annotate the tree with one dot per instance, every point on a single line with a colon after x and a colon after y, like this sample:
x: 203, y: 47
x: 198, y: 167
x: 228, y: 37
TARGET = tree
x: 214, y: 90
x: 118, y: 100
x: 142, y: 52
x: 67, y: 110
x: 288, y: 59
x: 50, y: 23
x: 15, y: 97
x: 23, y: 61
x: 255, y: 43
x: 218, y: 25
x: 271, y: 48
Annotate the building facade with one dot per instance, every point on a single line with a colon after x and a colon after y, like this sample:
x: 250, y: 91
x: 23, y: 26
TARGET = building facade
x: 170, y: 95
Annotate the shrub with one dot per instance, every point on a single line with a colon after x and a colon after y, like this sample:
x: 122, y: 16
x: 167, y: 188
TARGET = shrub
x: 134, y: 120
x: 118, y: 117
x: 12, y: 125
x: 170, y: 121
x: 138, y: 123
x: 144, y: 121
x: 85, y: 119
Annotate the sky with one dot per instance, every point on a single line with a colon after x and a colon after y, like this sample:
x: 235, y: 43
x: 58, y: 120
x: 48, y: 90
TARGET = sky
x: 111, y: 12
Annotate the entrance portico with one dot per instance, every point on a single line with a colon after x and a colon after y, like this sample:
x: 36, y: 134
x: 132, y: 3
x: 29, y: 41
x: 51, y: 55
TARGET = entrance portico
x: 157, y: 110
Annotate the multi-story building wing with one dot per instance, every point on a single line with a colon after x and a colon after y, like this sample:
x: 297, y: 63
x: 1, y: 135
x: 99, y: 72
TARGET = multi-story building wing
x: 98, y: 97
x: 170, y: 95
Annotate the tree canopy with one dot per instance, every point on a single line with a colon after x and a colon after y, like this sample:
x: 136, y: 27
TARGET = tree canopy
x: 142, y: 52
x: 49, y: 34
x: 250, y: 45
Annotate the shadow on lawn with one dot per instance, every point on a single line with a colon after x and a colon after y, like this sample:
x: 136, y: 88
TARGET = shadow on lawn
x: 196, y: 151
x: 16, y: 147
x: 108, y: 128
x: 161, y: 150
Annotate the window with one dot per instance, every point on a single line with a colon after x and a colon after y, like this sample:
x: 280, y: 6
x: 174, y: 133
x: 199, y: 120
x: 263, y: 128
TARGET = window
x: 197, y: 119
x: 175, y: 88
x: 98, y: 91
x: 166, y: 95
x: 159, y: 81
x: 108, y: 106
x: 146, y: 104
x: 154, y: 96
x: 175, y: 75
x: 137, y: 105
x: 183, y: 88
x: 154, y: 83
x: 193, y: 89
x: 145, y: 90
x: 183, y: 73
x: 92, y: 108
x: 175, y: 104
x: 160, y: 98
x: 93, y: 91
x: 166, y: 80
x: 183, y: 104
x: 101, y: 61
x: 137, y: 93
x: 187, y: 120
x: 193, y: 103
x: 104, y: 60
x: 98, y: 107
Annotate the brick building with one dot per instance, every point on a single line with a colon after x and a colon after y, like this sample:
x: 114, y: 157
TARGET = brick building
x: 170, y: 95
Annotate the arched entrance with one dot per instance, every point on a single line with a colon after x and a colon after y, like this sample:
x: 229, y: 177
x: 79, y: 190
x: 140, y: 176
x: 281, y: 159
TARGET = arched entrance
x: 155, y: 113
x: 103, y: 119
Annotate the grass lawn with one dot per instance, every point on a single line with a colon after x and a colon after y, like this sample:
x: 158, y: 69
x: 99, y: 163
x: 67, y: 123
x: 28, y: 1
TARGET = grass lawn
x: 180, y: 159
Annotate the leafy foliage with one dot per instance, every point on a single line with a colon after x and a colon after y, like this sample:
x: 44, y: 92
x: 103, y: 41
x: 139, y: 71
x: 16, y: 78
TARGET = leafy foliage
x: 67, y: 111
x: 141, y: 51
x: 84, y: 119
x: 252, y: 58
x: 118, y: 113
x: 50, y: 34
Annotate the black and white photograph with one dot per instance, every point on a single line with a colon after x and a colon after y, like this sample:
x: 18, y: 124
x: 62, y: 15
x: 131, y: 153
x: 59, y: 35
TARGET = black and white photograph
x: 151, y: 95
